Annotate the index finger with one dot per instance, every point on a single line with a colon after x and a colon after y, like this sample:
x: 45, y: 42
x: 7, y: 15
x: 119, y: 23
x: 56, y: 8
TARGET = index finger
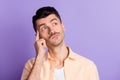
x: 37, y: 36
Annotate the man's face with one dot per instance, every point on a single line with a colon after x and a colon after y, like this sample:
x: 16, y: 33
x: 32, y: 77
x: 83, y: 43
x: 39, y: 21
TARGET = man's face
x: 51, y: 29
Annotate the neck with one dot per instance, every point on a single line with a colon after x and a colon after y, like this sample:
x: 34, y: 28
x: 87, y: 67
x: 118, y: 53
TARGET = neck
x: 59, y: 53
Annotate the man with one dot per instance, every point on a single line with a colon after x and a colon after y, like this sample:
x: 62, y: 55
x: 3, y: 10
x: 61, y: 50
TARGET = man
x: 58, y: 61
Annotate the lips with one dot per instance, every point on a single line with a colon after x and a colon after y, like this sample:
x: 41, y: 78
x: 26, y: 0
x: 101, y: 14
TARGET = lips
x: 54, y: 36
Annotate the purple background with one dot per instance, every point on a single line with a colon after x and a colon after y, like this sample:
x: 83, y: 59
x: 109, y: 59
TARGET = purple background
x: 92, y: 30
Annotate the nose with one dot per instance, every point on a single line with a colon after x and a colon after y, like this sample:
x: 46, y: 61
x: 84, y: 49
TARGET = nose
x: 51, y: 29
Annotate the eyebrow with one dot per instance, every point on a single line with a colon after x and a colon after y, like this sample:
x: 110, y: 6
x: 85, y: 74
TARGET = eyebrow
x: 50, y: 21
x: 41, y: 25
x: 53, y: 19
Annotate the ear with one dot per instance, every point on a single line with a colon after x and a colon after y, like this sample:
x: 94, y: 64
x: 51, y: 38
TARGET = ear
x: 63, y: 27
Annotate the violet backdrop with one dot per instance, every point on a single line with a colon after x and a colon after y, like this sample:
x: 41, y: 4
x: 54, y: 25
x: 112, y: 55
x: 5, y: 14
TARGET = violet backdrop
x: 92, y: 30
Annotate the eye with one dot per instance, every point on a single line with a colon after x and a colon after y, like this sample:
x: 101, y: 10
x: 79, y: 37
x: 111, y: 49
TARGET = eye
x: 54, y: 23
x: 43, y: 28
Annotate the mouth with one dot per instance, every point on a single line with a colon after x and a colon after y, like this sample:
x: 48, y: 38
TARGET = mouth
x: 54, y: 36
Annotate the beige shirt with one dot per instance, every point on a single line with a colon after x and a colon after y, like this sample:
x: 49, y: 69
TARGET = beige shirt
x: 76, y: 67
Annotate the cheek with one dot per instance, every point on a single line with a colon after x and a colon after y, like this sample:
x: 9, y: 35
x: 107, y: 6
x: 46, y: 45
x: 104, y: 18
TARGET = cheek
x: 60, y: 29
x: 44, y: 36
x: 40, y: 34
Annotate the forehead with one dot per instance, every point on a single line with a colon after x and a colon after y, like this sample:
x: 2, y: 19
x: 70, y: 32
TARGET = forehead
x: 47, y: 19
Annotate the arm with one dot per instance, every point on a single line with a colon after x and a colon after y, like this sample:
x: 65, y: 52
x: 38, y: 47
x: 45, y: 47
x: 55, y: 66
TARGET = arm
x: 35, y: 71
x: 94, y: 72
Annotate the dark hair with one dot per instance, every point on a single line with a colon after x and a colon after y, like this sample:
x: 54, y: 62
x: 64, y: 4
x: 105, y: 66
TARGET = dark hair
x: 44, y: 12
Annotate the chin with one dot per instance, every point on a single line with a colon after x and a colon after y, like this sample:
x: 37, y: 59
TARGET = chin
x: 56, y: 43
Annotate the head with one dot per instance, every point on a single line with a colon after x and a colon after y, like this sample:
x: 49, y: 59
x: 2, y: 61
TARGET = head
x: 44, y: 12
x: 48, y: 23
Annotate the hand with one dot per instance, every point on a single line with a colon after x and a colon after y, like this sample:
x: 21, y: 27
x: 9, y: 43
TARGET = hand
x: 40, y: 46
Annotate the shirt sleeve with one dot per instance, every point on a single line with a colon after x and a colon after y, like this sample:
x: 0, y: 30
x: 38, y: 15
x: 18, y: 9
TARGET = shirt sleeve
x: 27, y: 69
x: 94, y: 72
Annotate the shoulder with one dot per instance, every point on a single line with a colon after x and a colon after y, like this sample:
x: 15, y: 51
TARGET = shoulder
x: 85, y: 63
x: 85, y: 66
x: 81, y: 60
x: 29, y: 63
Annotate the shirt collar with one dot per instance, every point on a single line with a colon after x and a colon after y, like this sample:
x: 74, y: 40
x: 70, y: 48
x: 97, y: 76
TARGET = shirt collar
x: 70, y: 55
